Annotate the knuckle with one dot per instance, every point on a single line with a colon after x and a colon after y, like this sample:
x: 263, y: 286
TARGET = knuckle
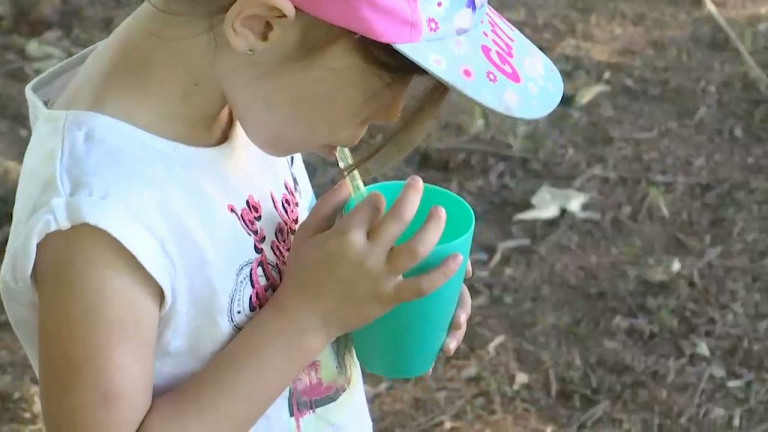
x: 400, y: 214
x: 446, y: 272
x: 396, y: 294
x: 426, y: 286
x: 341, y: 245
x: 348, y: 237
x: 397, y: 218
x: 412, y: 252
x: 336, y: 242
x: 404, y: 294
x: 378, y: 201
x: 395, y: 260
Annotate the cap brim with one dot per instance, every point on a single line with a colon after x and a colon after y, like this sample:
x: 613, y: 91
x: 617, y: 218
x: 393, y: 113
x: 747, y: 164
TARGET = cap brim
x: 495, y: 65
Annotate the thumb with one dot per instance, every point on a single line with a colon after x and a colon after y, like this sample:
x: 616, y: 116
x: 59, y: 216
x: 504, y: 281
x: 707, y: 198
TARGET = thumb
x: 323, y: 215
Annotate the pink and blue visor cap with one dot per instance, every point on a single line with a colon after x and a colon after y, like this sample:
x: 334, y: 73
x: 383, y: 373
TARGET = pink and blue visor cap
x: 464, y: 43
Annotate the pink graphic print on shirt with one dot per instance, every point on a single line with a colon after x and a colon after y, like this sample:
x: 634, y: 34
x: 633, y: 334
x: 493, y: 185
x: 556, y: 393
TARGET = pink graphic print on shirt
x: 310, y: 391
x: 322, y: 382
x: 266, y: 273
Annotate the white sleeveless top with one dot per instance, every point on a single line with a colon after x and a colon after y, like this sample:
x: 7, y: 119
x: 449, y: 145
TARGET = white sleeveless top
x: 213, y: 226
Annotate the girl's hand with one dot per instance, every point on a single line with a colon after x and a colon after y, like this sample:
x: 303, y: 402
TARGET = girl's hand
x: 344, y: 275
x: 460, y: 318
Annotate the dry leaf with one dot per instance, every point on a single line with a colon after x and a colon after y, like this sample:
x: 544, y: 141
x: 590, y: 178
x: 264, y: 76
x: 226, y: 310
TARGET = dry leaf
x: 470, y: 372
x: 371, y: 392
x: 702, y: 349
x: 736, y: 383
x: 521, y: 379
x: 540, y: 213
x: 37, y: 50
x: 717, y: 371
x: 586, y: 94
x: 548, y: 202
x: 717, y: 413
x: 663, y: 272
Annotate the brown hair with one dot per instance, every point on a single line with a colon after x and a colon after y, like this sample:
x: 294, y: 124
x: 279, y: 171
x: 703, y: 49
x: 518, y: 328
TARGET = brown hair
x: 407, y: 134
x: 414, y: 125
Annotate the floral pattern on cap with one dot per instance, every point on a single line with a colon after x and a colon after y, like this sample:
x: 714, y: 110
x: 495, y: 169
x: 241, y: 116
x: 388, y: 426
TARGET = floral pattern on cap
x: 475, y: 50
x: 449, y: 18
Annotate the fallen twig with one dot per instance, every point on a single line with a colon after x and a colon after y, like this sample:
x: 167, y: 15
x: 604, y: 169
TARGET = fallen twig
x: 746, y: 266
x: 589, y: 417
x: 758, y: 74
x: 565, y: 224
x: 505, y: 245
x: 552, y: 380
x: 498, y: 340
x: 463, y: 146
x: 429, y: 423
x: 580, y: 180
x: 700, y: 389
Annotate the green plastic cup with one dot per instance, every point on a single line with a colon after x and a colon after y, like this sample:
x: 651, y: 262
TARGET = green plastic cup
x: 405, y: 342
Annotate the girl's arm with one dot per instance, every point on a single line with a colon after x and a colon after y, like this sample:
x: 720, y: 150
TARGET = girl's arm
x: 99, y: 312
x: 98, y: 318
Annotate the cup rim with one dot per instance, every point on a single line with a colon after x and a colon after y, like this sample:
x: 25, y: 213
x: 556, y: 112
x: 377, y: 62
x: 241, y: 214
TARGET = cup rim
x: 463, y: 203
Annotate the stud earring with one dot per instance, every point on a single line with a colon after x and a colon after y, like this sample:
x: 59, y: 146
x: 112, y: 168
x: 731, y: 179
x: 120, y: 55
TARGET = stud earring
x: 249, y: 51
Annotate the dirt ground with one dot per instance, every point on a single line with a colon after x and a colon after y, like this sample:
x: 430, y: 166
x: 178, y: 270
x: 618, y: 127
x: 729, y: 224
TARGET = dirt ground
x: 654, y: 317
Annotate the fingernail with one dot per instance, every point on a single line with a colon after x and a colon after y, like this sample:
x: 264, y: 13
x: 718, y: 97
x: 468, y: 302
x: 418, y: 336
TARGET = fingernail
x: 452, y: 347
x: 438, y: 210
x: 457, y: 259
x: 412, y: 179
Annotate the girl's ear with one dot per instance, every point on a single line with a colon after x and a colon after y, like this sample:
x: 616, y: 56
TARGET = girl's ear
x: 251, y: 25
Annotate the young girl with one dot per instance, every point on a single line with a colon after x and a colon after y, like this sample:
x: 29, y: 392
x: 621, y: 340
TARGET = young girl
x: 148, y: 273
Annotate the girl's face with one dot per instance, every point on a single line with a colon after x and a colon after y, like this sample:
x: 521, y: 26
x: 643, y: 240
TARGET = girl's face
x: 292, y: 94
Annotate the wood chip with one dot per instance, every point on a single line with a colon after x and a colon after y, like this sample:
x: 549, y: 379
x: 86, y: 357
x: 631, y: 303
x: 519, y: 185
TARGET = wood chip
x: 521, y: 379
x: 702, y: 349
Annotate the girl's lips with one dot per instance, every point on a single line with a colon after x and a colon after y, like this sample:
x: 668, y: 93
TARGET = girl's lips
x: 328, y: 152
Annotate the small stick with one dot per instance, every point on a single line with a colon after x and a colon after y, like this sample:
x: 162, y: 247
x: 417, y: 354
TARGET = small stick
x: 758, y: 74
x: 505, y: 245
x: 463, y: 146
x: 552, y: 381
x: 590, y: 416
x: 595, y: 170
x: 700, y: 389
x: 429, y: 423
x: 355, y: 182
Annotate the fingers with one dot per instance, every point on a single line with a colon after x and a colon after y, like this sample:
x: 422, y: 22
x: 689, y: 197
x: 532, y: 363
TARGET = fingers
x: 404, y: 257
x: 420, y: 286
x: 324, y: 213
x: 468, y: 274
x: 365, y: 214
x: 399, y: 216
x: 459, y: 325
x: 454, y: 339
